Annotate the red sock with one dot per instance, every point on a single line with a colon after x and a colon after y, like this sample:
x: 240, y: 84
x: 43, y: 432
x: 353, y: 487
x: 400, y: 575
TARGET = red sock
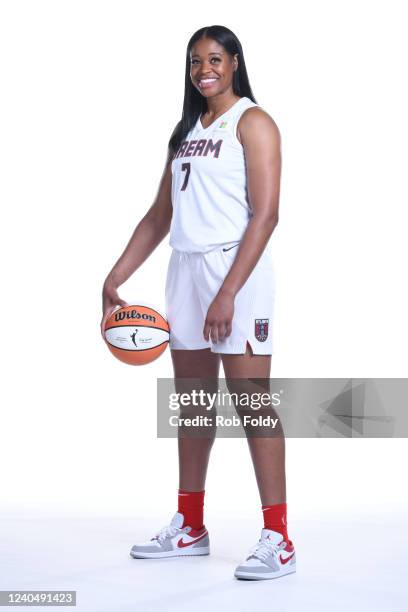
x: 191, y: 505
x: 275, y: 518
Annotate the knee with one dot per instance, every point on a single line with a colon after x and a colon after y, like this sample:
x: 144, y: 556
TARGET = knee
x: 248, y: 394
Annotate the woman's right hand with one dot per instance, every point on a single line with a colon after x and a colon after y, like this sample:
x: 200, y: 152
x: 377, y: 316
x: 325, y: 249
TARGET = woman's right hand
x: 110, y: 299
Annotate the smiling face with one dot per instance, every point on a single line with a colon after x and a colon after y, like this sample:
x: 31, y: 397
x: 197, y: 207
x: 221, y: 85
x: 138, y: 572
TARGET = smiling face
x: 211, y: 67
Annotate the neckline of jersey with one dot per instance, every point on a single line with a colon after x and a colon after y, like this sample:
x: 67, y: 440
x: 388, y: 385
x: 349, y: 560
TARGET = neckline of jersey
x: 200, y: 125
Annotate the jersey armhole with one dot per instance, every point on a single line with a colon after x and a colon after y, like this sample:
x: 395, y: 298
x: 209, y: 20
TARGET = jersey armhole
x: 235, y: 126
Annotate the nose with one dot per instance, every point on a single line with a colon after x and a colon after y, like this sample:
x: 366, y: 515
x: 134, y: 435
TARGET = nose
x: 208, y: 64
x: 206, y: 71
x: 205, y: 68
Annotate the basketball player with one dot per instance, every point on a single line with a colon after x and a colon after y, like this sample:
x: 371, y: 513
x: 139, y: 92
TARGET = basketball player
x: 218, y: 197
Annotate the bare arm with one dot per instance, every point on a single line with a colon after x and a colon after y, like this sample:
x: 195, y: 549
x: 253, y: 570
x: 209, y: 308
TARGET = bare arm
x: 260, y: 138
x: 261, y: 141
x: 148, y: 234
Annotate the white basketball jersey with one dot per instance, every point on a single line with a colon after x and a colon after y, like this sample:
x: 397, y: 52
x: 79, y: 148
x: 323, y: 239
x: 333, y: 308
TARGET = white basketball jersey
x: 209, y: 191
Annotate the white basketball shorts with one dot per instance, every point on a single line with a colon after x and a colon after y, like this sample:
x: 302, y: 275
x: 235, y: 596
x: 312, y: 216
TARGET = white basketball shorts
x: 194, y: 279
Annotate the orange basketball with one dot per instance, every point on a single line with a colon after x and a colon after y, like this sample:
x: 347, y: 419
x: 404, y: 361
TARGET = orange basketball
x: 137, y: 334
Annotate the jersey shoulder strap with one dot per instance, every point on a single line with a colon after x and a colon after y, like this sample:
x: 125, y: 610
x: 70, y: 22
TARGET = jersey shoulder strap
x: 236, y: 114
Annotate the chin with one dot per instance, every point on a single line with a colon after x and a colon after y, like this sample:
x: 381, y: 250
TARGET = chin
x: 209, y: 94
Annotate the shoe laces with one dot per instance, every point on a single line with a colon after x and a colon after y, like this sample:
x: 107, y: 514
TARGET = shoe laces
x: 167, y: 532
x: 264, y: 548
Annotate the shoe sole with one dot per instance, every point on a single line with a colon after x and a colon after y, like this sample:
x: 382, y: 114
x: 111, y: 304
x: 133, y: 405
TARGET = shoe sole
x: 255, y: 576
x: 171, y: 553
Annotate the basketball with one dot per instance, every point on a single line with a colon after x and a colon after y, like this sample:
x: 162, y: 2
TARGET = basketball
x: 137, y: 334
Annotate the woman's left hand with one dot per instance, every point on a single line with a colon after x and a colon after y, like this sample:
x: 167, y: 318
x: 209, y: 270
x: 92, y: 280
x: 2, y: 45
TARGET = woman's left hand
x: 218, y: 323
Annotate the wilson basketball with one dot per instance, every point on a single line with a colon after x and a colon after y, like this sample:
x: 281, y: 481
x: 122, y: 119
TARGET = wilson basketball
x: 136, y: 334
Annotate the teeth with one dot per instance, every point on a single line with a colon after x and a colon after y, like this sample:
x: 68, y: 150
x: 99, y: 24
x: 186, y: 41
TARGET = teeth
x: 207, y: 80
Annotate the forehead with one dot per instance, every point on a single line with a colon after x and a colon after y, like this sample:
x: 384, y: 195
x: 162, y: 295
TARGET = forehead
x: 206, y: 46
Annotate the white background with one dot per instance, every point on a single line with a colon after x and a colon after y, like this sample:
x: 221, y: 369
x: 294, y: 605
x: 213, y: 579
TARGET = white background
x: 90, y: 94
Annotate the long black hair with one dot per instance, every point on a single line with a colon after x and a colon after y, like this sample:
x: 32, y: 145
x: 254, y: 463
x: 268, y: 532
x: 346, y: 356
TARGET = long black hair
x: 194, y: 103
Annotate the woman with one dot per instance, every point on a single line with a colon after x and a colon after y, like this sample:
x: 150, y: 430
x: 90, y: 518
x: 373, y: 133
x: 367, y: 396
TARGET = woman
x: 218, y: 197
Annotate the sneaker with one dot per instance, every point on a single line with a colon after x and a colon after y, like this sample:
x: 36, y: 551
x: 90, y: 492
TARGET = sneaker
x: 174, y: 541
x: 271, y: 557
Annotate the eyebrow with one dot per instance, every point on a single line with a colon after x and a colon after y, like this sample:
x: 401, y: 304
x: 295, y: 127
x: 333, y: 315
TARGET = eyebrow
x: 213, y: 53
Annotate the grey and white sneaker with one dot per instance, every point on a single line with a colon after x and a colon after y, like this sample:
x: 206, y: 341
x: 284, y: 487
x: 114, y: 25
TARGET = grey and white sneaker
x: 271, y: 557
x: 174, y: 541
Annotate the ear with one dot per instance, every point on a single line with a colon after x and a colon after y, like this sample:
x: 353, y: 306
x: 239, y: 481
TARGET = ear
x: 235, y: 61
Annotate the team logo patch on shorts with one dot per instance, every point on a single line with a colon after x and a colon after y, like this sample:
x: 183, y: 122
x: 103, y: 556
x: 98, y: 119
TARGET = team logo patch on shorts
x: 261, y: 329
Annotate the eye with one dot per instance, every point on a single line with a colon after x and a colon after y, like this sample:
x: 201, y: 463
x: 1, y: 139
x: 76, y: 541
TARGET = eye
x: 216, y: 59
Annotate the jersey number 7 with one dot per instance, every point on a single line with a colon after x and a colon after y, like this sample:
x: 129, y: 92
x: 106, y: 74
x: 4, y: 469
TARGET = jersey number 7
x: 186, y: 166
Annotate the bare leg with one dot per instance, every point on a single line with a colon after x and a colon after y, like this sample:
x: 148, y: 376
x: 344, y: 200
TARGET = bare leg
x: 268, y: 453
x: 194, y: 452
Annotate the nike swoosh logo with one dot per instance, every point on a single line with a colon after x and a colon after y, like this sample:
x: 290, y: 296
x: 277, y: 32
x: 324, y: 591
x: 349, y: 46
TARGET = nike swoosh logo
x: 285, y: 560
x: 182, y: 544
x: 229, y: 248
